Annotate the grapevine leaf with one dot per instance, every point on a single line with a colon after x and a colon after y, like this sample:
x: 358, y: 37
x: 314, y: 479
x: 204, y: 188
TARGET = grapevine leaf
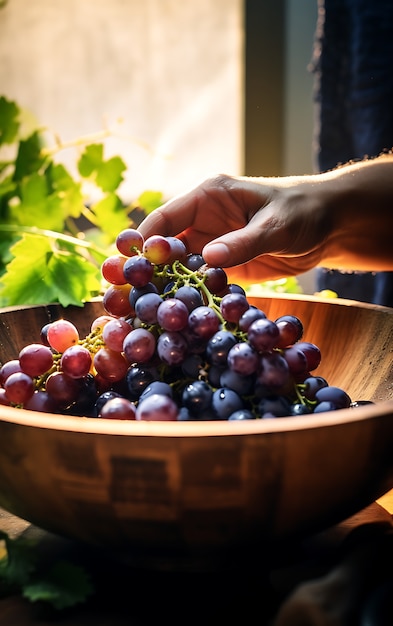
x: 9, y: 122
x: 29, y: 158
x: 106, y: 174
x: 37, y: 207
x: 150, y: 200
x: 64, y: 586
x: 68, y: 190
x: 41, y: 273
x: 110, y: 174
x: 111, y: 216
x: 91, y: 159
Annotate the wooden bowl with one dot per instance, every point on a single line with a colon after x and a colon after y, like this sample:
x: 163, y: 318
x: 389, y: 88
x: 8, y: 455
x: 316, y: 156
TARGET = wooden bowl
x: 173, y: 493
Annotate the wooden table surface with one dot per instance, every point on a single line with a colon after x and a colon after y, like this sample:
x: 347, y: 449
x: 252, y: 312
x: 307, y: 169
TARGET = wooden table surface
x: 134, y: 597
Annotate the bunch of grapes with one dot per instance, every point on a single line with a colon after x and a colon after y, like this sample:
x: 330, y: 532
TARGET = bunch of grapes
x: 175, y: 341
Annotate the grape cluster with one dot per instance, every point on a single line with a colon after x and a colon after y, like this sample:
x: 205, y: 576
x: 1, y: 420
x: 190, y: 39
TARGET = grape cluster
x: 175, y: 341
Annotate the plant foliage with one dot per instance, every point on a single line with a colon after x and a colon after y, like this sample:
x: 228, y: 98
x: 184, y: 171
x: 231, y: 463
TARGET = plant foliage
x: 46, y: 255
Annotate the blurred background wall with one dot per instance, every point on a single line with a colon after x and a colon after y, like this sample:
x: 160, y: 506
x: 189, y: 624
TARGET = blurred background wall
x: 189, y: 88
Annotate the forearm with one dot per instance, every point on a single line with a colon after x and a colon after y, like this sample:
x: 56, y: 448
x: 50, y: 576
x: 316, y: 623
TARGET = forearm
x: 360, y: 199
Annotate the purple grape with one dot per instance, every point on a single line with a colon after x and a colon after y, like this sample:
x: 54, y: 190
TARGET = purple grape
x: 263, y: 335
x: 146, y: 307
x: 225, y: 402
x: 139, y: 346
x: 203, y: 322
x: 274, y: 371
x: 337, y: 396
x: 243, y: 359
x: 172, y: 314
x: 197, y: 397
x: 218, y: 347
x: 243, y: 385
x: 190, y: 296
x: 251, y: 315
x: 172, y: 348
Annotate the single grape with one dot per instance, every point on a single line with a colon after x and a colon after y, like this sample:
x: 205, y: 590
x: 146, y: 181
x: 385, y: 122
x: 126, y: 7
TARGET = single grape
x: 129, y: 241
x: 194, y: 262
x: 218, y: 347
x: 9, y: 368
x: 312, y: 354
x: 263, y: 334
x: 225, y: 401
x: 110, y: 365
x: 172, y: 347
x: 139, y: 346
x: 19, y: 387
x: 116, y: 300
x: 76, y: 361
x: 190, y: 296
x: 62, y: 334
x: 335, y: 395
x: 178, y: 250
x: 114, y: 333
x: 138, y: 378
x: 232, y: 306
x: 274, y: 371
x: 197, y: 397
x: 146, y: 307
x: 249, y: 316
x: 138, y: 271
x: 157, y: 249
x: 118, y: 408
x: 172, y: 314
x: 215, y: 278
x: 243, y: 359
x: 312, y: 384
x: 291, y: 330
x: 62, y: 389
x: 112, y: 269
x: 157, y: 407
x: 203, y: 322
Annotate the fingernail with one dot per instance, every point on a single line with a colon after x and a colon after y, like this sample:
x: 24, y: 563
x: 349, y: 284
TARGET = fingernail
x: 216, y: 254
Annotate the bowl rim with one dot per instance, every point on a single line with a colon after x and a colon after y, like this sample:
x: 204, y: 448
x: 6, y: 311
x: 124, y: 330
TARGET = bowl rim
x: 195, y: 429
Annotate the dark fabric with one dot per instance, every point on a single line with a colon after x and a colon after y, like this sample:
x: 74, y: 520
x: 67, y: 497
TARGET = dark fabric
x: 353, y: 97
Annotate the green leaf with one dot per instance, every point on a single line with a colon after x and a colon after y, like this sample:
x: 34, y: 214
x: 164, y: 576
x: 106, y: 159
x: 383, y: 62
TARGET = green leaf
x: 40, y: 273
x: 9, y: 122
x: 29, y: 158
x: 64, y: 586
x: 106, y: 174
x: 91, y: 159
x: 111, y: 216
x: 67, y: 189
x: 150, y: 200
x: 37, y: 207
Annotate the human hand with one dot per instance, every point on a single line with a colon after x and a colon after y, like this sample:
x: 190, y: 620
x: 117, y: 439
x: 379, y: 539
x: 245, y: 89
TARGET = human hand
x: 261, y: 228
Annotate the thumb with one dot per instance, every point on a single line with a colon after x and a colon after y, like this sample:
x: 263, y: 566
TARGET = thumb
x: 234, y: 248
